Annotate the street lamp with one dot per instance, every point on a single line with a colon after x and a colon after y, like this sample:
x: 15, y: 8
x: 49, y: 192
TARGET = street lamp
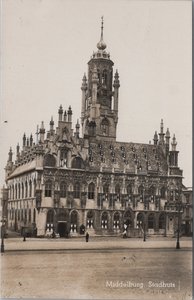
x: 178, y: 207
x: 2, y: 235
x: 144, y: 231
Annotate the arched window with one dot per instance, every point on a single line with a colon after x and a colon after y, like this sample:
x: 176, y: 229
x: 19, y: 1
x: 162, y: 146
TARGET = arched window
x: 76, y: 192
x: 141, y: 192
x: 29, y: 215
x: 49, y: 160
x: 25, y: 215
x: 106, y: 189
x: 105, y: 127
x: 16, y: 190
x: 129, y: 189
x: 34, y: 188
x: 19, y: 191
x: 151, y: 221
x: 152, y: 193
x: 30, y: 188
x: 22, y: 190
x: 162, y: 221
x: 73, y: 219
x: 48, y: 188
x: 50, y: 217
x: 163, y: 192
x: 91, y: 188
x: 13, y: 194
x: 116, y: 221
x: 129, y: 192
x: 90, y: 219
x: 34, y: 215
x: 92, y: 128
x: 140, y: 220
x: 26, y: 189
x: 104, y: 220
x: 77, y: 163
x: 22, y: 215
x: 18, y: 215
x: 63, y: 190
x: 117, y: 191
x: 128, y: 220
x: 104, y: 77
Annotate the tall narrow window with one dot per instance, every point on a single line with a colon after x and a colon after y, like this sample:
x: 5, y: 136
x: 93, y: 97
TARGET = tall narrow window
x: 141, y: 193
x: 26, y: 189
x: 117, y: 191
x: 50, y: 217
x: 19, y: 191
x: 73, y: 221
x: 63, y: 190
x: 34, y: 215
x: 77, y: 190
x: 29, y: 215
x: 162, y: 221
x: 104, y: 220
x: 91, y: 188
x: 129, y: 192
x: 13, y: 194
x: 48, y: 188
x: 22, y: 190
x: 152, y: 193
x: 16, y: 192
x: 106, y: 189
x: 116, y: 221
x: 163, y: 192
x: 151, y: 221
x: 30, y: 188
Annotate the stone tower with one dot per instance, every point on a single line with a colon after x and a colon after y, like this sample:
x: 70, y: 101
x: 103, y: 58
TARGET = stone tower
x: 99, y: 116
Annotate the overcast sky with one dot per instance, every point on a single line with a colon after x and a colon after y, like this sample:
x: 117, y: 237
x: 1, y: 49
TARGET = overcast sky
x: 46, y: 45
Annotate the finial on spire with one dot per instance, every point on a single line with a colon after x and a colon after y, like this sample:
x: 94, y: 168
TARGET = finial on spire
x: 102, y: 27
x: 101, y: 45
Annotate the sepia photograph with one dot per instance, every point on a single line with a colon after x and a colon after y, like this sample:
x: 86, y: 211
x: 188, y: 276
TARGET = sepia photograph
x: 96, y: 149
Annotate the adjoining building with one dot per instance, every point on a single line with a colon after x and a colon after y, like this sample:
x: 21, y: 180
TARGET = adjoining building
x: 68, y: 183
x: 187, y: 216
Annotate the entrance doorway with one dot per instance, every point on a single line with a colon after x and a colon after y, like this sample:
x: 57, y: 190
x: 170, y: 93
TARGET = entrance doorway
x: 62, y: 229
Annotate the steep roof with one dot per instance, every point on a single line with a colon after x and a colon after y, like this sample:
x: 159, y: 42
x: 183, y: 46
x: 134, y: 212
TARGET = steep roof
x: 129, y: 156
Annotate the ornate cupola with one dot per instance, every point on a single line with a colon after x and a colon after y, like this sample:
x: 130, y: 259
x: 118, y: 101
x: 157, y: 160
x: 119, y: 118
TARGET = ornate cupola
x: 99, y: 114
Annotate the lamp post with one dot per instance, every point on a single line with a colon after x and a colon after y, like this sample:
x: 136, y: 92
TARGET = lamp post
x: 144, y: 231
x: 179, y: 206
x: 2, y: 235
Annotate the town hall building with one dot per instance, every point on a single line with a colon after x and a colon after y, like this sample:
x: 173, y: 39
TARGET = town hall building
x: 70, y: 181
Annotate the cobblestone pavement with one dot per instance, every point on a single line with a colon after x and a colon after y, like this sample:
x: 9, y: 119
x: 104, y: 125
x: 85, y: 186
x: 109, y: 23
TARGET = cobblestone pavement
x: 104, y: 268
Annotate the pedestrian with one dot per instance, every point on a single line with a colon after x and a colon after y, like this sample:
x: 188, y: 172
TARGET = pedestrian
x: 87, y: 236
x: 24, y: 239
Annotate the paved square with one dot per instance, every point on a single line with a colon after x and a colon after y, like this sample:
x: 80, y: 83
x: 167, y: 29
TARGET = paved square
x: 103, y: 273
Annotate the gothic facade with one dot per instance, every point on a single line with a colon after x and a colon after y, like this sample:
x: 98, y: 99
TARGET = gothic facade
x: 67, y: 182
